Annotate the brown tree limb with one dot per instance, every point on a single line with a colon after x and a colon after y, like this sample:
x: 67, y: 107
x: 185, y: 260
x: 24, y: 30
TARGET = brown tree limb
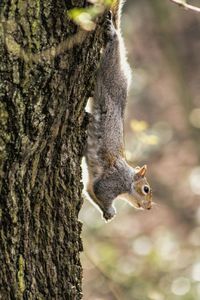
x: 186, y: 5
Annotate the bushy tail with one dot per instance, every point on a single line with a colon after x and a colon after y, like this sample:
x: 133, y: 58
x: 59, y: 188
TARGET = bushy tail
x: 116, y: 8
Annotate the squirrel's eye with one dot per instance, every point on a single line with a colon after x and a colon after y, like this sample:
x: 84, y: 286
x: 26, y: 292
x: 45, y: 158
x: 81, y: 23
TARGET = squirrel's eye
x: 145, y: 189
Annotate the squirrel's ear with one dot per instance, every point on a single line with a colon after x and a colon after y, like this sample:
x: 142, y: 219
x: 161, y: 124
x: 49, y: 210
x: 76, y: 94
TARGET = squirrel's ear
x: 140, y: 172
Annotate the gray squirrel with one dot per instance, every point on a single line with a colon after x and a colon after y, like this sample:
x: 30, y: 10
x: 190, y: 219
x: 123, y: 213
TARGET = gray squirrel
x: 110, y: 175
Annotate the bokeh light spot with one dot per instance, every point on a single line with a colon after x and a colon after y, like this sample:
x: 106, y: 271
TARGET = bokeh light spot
x: 195, y: 117
x: 180, y: 286
x: 194, y: 180
x: 196, y: 271
x: 142, y: 245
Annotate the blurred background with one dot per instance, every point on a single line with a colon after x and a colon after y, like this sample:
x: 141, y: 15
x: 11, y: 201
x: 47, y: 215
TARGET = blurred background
x: 154, y: 255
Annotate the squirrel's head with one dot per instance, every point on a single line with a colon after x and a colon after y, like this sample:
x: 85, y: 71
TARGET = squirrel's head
x: 140, y: 195
x: 142, y: 190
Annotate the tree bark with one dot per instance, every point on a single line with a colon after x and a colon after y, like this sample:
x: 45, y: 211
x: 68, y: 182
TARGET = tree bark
x: 46, y: 75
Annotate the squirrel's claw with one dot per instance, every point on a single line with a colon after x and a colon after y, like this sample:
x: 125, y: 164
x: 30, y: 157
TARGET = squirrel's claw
x: 109, y: 15
x: 109, y: 31
x: 109, y: 214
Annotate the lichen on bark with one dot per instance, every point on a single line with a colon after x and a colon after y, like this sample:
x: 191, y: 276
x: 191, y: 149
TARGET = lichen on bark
x: 42, y: 137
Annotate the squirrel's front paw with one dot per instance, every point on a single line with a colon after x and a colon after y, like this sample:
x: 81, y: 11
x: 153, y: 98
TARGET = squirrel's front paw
x: 110, y: 31
x: 109, y: 213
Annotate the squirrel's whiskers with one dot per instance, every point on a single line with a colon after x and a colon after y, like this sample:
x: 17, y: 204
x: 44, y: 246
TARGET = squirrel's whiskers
x: 109, y: 173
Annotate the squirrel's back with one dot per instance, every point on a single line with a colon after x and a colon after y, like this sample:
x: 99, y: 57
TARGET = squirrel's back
x: 105, y: 132
x: 109, y: 173
x: 116, y: 8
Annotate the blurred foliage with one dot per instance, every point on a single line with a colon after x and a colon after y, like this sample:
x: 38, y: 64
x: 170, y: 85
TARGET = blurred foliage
x: 85, y: 17
x: 154, y: 255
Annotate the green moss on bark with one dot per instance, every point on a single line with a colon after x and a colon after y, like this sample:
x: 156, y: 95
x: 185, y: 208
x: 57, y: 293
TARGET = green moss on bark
x: 42, y: 137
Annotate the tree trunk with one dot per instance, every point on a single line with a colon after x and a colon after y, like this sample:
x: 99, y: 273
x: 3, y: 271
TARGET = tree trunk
x: 46, y: 69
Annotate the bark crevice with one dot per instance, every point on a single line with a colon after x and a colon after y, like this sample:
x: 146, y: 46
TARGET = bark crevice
x: 42, y: 138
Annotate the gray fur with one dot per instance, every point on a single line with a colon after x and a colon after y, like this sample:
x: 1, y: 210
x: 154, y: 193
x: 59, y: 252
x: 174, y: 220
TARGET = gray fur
x: 117, y: 180
x: 109, y: 173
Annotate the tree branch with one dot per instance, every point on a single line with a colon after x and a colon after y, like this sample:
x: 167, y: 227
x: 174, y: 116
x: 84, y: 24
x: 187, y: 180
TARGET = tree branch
x: 186, y: 5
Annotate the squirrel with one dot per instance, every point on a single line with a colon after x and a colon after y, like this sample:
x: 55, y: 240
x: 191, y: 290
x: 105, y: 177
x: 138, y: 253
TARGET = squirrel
x: 110, y: 175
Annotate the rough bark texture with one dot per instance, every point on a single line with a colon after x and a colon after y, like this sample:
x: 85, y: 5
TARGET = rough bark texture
x: 42, y: 136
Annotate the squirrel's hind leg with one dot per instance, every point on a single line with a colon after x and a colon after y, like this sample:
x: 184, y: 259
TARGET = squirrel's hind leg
x: 109, y: 28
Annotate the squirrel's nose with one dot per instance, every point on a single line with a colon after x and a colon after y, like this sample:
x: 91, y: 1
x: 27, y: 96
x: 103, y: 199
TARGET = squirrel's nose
x: 147, y: 205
